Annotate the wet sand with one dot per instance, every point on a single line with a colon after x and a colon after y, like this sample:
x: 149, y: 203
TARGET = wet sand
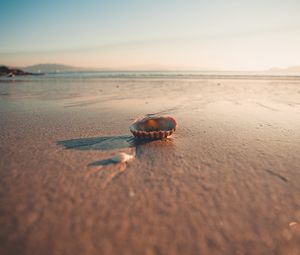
x: 227, y: 182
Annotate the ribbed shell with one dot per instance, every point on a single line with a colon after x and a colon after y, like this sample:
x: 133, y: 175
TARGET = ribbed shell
x: 153, y: 135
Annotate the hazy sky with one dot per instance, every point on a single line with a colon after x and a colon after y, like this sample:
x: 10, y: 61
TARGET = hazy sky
x: 215, y: 34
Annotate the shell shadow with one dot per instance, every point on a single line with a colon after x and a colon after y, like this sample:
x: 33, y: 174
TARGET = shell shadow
x: 103, y: 162
x: 104, y: 143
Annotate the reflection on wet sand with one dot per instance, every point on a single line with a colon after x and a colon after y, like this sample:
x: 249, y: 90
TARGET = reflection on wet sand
x: 146, y: 149
x: 104, y: 143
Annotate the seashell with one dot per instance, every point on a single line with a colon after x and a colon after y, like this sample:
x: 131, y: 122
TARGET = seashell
x: 121, y: 157
x: 153, y: 127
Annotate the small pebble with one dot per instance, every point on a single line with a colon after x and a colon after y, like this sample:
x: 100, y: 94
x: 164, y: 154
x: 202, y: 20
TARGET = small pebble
x: 122, y: 157
x: 293, y: 223
x: 131, y: 193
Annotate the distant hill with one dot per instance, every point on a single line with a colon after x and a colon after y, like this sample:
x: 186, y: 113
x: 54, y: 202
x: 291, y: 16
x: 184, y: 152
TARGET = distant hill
x: 51, y: 68
x: 55, y: 68
x: 294, y: 69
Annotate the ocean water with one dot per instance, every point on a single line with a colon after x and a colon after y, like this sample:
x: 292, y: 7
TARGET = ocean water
x: 158, y: 75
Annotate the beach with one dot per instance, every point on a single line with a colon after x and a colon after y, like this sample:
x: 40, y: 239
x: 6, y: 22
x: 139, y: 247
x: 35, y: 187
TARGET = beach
x: 226, y: 182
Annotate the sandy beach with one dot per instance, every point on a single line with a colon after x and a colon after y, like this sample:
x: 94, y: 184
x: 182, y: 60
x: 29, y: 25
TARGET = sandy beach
x: 227, y: 181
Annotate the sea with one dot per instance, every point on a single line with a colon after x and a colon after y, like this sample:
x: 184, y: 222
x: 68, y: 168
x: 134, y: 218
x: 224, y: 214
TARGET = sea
x: 158, y: 75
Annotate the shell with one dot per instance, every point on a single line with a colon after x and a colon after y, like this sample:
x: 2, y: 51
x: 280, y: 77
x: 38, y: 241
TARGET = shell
x: 154, y: 127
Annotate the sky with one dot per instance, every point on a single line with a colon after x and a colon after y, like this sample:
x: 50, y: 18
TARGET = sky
x: 151, y: 34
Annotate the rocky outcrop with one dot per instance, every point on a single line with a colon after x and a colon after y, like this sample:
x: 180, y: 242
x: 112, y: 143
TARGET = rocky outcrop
x: 11, y: 72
